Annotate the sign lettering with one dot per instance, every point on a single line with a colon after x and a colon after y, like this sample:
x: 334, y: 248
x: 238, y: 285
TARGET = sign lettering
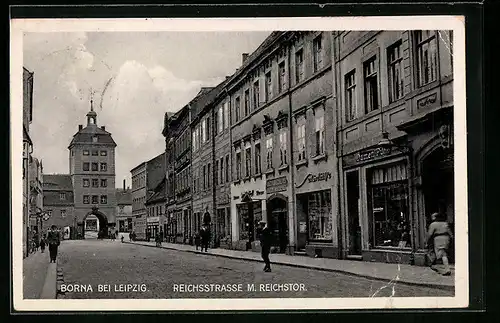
x: 375, y: 153
x: 276, y: 185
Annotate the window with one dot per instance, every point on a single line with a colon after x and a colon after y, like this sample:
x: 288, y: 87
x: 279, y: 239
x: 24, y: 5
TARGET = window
x: 395, y: 71
x: 301, y: 139
x: 299, y: 66
x: 209, y: 128
x: 104, y: 199
x: 237, y: 109
x: 85, y: 153
x: 283, y: 148
x: 86, y: 182
x: 95, y: 153
x: 204, y: 130
x: 221, y: 163
x: 62, y: 196
x: 95, y: 182
x: 209, y: 176
x: 350, y: 96
x: 86, y: 167
x: 204, y: 177
x: 247, y: 102
x: 216, y: 170
x: 269, y: 86
x: 104, y: 183
x: 371, y: 86
x: 104, y: 167
x: 282, y: 77
x: 257, y: 158
x: 194, y: 140
x: 228, y: 177
x: 104, y: 153
x: 389, y: 207
x: 320, y: 220
x: 238, y: 165
x: 95, y: 167
x: 86, y: 199
x: 94, y: 139
x: 248, y: 162
x: 269, y: 152
x: 72, y: 153
x: 63, y: 213
x: 226, y: 115
x: 320, y: 132
x: 317, y: 52
x: 426, y: 56
x: 95, y: 199
x: 220, y: 119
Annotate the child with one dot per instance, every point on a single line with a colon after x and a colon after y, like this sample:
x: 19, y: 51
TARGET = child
x: 42, y: 244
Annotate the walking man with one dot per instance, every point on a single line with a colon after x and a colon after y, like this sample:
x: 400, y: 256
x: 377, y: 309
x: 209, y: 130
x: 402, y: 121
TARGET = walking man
x: 54, y: 240
x: 265, y: 244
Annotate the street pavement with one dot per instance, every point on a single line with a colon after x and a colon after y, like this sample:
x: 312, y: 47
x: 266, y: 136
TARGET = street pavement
x: 34, y: 273
x: 106, y: 269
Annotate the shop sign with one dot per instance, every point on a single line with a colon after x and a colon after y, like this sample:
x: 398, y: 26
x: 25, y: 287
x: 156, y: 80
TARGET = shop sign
x: 312, y: 178
x: 372, y: 154
x: 276, y: 185
x: 153, y: 219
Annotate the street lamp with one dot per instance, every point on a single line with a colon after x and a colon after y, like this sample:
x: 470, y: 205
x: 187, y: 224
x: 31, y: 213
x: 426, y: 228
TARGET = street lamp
x: 406, y: 149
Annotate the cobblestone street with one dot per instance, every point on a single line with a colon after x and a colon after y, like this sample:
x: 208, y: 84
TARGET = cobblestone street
x: 113, y: 265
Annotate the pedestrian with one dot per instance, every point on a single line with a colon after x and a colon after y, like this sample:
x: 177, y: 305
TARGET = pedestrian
x: 205, y: 237
x: 197, y: 240
x: 265, y: 244
x: 439, y: 237
x: 42, y: 244
x: 54, y: 240
x: 130, y: 236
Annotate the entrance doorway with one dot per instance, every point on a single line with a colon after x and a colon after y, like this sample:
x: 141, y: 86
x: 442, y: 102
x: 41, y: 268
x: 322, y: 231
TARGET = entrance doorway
x: 278, y: 222
x: 439, y: 188
x: 94, y: 226
x: 352, y: 184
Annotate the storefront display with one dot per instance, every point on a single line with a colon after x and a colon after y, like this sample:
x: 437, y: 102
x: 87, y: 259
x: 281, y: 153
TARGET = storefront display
x: 320, y: 215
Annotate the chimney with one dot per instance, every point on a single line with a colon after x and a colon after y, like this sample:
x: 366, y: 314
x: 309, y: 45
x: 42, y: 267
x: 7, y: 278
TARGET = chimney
x: 244, y: 57
x: 103, y: 128
x: 80, y: 127
x: 124, y: 185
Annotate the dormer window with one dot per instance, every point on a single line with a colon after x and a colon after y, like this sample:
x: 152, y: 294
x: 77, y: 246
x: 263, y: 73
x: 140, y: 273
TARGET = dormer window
x: 94, y: 139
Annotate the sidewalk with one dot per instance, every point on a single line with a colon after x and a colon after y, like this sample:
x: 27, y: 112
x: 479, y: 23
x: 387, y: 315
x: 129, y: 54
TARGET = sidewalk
x: 35, y: 269
x: 406, y: 274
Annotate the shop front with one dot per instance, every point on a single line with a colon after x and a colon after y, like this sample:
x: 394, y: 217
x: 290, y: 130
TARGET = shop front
x: 279, y: 213
x: 223, y: 222
x: 316, y: 234
x: 153, y: 228
x: 378, y: 222
x: 182, y: 223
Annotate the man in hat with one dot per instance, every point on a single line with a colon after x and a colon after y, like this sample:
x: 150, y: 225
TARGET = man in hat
x: 53, y: 240
x: 265, y: 244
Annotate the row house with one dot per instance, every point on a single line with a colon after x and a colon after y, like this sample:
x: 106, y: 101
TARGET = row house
x: 395, y: 132
x: 283, y: 149
x: 36, y: 195
x: 124, y: 217
x: 58, y: 201
x: 27, y: 151
x: 177, y: 133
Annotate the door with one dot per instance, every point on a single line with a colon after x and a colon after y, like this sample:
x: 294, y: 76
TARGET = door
x: 354, y: 228
x: 279, y: 223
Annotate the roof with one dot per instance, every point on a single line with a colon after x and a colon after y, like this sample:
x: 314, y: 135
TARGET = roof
x: 159, y: 194
x: 123, y: 197
x: 57, y: 182
x: 136, y: 167
x: 85, y: 135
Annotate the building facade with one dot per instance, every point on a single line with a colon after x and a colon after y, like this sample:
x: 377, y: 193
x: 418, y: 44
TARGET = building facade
x: 92, y: 171
x: 168, y: 132
x: 27, y: 151
x: 124, y: 217
x: 155, y: 174
x: 395, y: 126
x: 155, y: 208
x: 36, y: 196
x: 58, y: 200
x: 138, y: 199
x: 222, y: 169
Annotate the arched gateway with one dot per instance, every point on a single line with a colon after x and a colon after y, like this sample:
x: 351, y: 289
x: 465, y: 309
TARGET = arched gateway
x: 94, y: 225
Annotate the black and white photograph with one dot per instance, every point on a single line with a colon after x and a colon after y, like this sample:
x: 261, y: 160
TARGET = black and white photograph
x: 239, y: 164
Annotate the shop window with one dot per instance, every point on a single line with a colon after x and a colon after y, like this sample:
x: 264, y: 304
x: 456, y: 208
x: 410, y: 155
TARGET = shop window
x: 395, y: 71
x: 389, y: 194
x: 320, y: 215
x: 426, y: 48
x: 371, y: 85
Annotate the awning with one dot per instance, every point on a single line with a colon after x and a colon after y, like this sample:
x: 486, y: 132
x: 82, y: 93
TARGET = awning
x: 427, y: 119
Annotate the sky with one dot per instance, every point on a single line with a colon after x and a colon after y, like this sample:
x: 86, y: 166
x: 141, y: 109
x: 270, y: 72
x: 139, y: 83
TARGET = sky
x: 136, y: 78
